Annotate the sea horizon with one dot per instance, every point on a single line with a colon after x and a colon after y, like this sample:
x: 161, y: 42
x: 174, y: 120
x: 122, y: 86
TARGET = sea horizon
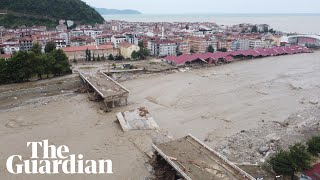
x: 286, y: 22
x: 222, y: 14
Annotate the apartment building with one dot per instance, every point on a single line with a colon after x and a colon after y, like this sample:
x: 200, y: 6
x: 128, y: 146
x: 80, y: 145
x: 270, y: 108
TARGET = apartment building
x: 162, y: 48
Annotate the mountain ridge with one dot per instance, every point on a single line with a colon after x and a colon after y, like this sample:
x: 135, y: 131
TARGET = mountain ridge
x: 106, y: 11
x: 46, y: 12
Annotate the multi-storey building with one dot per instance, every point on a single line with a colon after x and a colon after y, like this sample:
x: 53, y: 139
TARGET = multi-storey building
x: 198, y: 44
x: 184, y: 47
x: 25, y: 43
x: 60, y: 43
x: 162, y: 48
x: 241, y: 44
x: 117, y: 40
x: 256, y: 43
x: 131, y: 38
x: 92, y: 32
x: 103, y: 38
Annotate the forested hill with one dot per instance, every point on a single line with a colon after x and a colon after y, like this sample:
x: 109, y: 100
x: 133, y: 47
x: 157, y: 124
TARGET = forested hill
x: 47, y: 12
x: 105, y: 11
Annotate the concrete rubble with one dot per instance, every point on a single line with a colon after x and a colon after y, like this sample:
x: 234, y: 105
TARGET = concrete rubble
x: 256, y: 145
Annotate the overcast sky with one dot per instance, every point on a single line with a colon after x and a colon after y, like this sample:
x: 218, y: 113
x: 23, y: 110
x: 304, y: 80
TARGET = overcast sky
x: 211, y: 6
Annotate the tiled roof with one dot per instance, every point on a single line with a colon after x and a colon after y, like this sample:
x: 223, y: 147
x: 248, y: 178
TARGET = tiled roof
x: 228, y: 56
x: 164, y: 42
x: 126, y: 44
x: 83, y: 48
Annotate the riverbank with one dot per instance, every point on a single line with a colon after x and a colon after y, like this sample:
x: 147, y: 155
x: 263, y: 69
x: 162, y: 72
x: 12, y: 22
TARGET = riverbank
x: 213, y: 104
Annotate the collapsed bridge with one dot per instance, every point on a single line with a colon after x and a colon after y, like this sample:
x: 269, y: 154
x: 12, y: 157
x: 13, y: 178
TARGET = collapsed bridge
x: 111, y: 92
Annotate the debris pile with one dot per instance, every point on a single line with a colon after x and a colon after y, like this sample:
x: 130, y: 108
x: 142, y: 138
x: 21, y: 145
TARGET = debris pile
x: 256, y: 145
x: 143, y: 111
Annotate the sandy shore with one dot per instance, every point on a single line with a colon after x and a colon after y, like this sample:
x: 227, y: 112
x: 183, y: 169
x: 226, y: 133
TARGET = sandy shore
x: 211, y: 104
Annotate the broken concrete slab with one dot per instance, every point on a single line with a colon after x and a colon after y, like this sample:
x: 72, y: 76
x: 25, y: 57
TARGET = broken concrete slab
x: 138, y: 119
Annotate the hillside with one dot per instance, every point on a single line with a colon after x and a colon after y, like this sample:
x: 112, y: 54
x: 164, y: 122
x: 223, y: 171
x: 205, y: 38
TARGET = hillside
x: 104, y: 11
x: 46, y: 12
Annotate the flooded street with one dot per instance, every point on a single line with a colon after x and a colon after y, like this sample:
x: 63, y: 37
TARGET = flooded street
x: 211, y: 104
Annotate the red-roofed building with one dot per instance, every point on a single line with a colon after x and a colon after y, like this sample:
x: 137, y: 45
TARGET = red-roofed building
x: 314, y: 173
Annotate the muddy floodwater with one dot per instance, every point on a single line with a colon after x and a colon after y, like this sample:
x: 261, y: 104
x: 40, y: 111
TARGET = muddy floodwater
x: 210, y: 103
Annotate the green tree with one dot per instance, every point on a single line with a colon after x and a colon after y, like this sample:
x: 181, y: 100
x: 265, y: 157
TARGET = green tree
x: 61, y: 64
x: 300, y: 157
x: 103, y: 58
x: 3, y: 71
x: 210, y: 49
x: 36, y: 48
x: 110, y: 57
x: 50, y: 46
x: 314, y: 145
x: 1, y: 50
x: 179, y: 53
x: 140, y: 44
x: 49, y: 65
x: 281, y: 164
x: 144, y: 52
x: 39, y: 65
x: 20, y: 66
x: 288, y: 162
x: 119, y: 58
x: 254, y: 29
x: 134, y: 55
x: 89, y: 55
x: 192, y: 51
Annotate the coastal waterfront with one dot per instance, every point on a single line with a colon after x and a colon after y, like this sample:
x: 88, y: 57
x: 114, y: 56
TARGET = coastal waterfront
x: 302, y: 23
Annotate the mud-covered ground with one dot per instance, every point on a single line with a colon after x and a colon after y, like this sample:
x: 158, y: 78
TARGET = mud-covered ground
x: 254, y: 102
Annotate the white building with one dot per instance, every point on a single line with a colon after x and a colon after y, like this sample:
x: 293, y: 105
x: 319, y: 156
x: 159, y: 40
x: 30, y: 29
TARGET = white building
x: 116, y: 27
x: 162, y: 48
x: 241, y: 44
x: 256, y: 43
x: 76, y: 33
x: 117, y: 40
x: 92, y: 32
x: 11, y: 47
x: 103, y: 38
x: 132, y: 39
x: 64, y: 36
x: 60, y: 43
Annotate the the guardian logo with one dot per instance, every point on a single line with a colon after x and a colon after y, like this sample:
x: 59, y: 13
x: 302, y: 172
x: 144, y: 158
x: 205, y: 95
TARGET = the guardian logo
x: 55, y: 160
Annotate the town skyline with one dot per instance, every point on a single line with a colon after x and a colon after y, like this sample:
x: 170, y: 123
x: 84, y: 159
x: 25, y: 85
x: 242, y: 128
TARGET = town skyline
x: 206, y: 6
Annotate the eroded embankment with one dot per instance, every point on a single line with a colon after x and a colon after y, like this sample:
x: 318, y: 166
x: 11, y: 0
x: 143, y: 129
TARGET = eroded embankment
x: 31, y: 94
